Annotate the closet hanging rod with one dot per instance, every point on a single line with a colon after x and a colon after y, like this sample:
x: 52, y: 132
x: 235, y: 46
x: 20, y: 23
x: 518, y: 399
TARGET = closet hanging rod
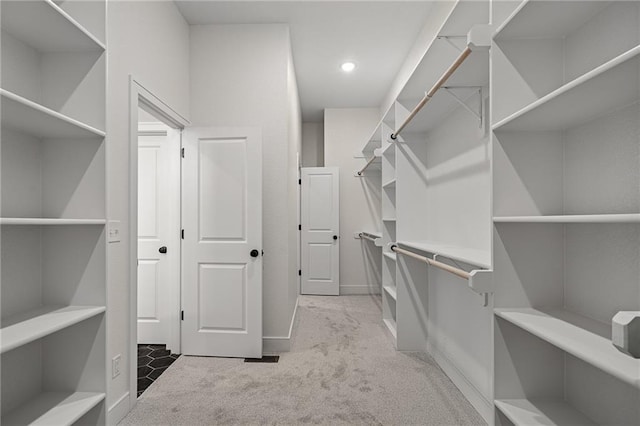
x: 367, y: 237
x: 456, y: 271
x: 479, y: 37
x: 359, y: 173
x: 427, y: 97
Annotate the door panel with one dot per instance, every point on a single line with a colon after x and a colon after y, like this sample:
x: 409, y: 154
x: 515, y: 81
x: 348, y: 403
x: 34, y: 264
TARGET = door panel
x: 158, y: 226
x: 222, y: 221
x: 320, y: 223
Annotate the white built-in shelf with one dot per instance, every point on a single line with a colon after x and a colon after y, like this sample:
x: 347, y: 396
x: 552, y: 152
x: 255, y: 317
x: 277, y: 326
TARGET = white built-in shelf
x: 579, y: 336
x: 601, y: 90
x: 390, y: 255
x: 391, y: 291
x: 388, y: 219
x: 391, y: 326
x: 541, y: 412
x: 547, y: 19
x: 390, y: 184
x: 27, y: 327
x: 54, y: 408
x: 470, y: 256
x: 44, y: 26
x: 47, y: 221
x: 571, y: 218
x: 34, y: 119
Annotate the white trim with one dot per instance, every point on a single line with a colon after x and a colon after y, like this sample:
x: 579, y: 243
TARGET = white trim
x: 139, y: 96
x: 118, y: 410
x: 274, y: 344
x: 468, y: 389
x: 358, y: 290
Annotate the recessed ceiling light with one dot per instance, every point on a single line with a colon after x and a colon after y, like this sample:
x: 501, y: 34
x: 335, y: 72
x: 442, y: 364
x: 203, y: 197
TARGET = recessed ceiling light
x: 348, y: 66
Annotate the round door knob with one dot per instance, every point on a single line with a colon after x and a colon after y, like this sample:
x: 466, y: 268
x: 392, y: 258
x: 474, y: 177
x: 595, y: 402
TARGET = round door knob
x: 335, y: 237
x: 163, y: 249
x: 254, y: 253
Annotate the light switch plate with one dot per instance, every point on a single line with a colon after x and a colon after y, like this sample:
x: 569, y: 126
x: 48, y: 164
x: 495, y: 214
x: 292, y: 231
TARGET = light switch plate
x: 114, y: 231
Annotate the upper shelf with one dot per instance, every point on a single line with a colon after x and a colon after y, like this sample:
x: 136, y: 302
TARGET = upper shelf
x: 571, y: 218
x: 582, y: 337
x: 49, y: 221
x: 609, y: 86
x: 24, y: 328
x: 44, y: 26
x: 470, y: 256
x: 548, y: 19
x: 34, y: 119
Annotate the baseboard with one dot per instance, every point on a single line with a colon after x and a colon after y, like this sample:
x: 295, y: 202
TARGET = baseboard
x: 272, y: 345
x: 468, y: 389
x: 118, y: 410
x: 358, y: 290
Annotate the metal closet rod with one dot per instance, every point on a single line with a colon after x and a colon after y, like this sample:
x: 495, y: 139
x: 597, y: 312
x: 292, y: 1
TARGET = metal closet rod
x: 427, y: 97
x: 455, y: 271
x: 366, y: 165
x: 367, y: 237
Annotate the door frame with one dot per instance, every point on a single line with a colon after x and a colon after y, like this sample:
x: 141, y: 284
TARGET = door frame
x: 139, y: 96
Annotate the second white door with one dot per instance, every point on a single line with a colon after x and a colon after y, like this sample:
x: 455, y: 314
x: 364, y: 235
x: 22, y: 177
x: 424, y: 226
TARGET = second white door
x: 320, y: 231
x: 158, y: 238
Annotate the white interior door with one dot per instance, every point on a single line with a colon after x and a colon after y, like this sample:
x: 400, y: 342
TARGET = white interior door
x: 320, y: 230
x: 158, y: 233
x: 222, y: 245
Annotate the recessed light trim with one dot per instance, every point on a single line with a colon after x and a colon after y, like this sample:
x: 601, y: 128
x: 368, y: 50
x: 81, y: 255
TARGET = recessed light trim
x: 348, y: 66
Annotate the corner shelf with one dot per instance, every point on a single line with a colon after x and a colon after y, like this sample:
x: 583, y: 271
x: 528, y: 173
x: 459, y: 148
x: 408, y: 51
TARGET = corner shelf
x: 579, y: 336
x: 36, y: 120
x: 541, y: 412
x: 586, y: 218
x: 391, y: 291
x: 47, y: 221
x: 54, y: 408
x: 46, y: 27
x: 27, y: 327
x: 475, y: 257
x: 573, y: 103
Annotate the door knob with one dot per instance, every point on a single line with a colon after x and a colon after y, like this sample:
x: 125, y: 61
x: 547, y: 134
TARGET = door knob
x: 335, y: 237
x: 163, y: 249
x: 254, y: 253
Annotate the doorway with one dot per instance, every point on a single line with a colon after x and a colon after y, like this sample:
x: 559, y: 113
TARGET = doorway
x: 154, y: 217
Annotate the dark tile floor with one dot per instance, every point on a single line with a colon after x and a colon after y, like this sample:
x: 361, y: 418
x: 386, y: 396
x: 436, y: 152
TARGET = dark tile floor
x: 153, y: 360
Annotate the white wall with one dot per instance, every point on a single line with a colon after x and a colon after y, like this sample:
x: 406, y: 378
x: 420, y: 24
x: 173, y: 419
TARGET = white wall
x: 345, y: 133
x: 151, y: 41
x: 241, y: 76
x: 312, y: 144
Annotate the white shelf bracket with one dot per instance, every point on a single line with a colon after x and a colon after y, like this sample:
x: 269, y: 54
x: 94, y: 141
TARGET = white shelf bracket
x: 479, y: 37
x: 479, y: 114
x: 449, y: 39
x: 481, y: 281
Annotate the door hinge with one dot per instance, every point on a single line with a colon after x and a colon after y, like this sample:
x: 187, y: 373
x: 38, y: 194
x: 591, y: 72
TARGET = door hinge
x: 299, y: 272
x: 299, y: 181
x: 182, y: 234
x: 182, y: 152
x: 299, y: 227
x: 182, y: 315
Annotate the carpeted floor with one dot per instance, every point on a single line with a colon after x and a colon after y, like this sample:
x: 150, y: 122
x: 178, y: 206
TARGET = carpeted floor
x: 342, y: 369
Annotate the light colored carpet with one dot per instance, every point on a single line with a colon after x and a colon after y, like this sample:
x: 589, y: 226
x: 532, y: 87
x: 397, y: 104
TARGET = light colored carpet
x: 342, y: 369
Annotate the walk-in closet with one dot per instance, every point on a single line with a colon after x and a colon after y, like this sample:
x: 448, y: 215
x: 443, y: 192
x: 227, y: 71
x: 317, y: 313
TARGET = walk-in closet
x: 328, y: 212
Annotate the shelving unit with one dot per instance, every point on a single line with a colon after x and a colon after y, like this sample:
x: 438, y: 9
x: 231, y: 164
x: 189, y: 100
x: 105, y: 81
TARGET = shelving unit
x: 53, y: 217
x: 566, y: 211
